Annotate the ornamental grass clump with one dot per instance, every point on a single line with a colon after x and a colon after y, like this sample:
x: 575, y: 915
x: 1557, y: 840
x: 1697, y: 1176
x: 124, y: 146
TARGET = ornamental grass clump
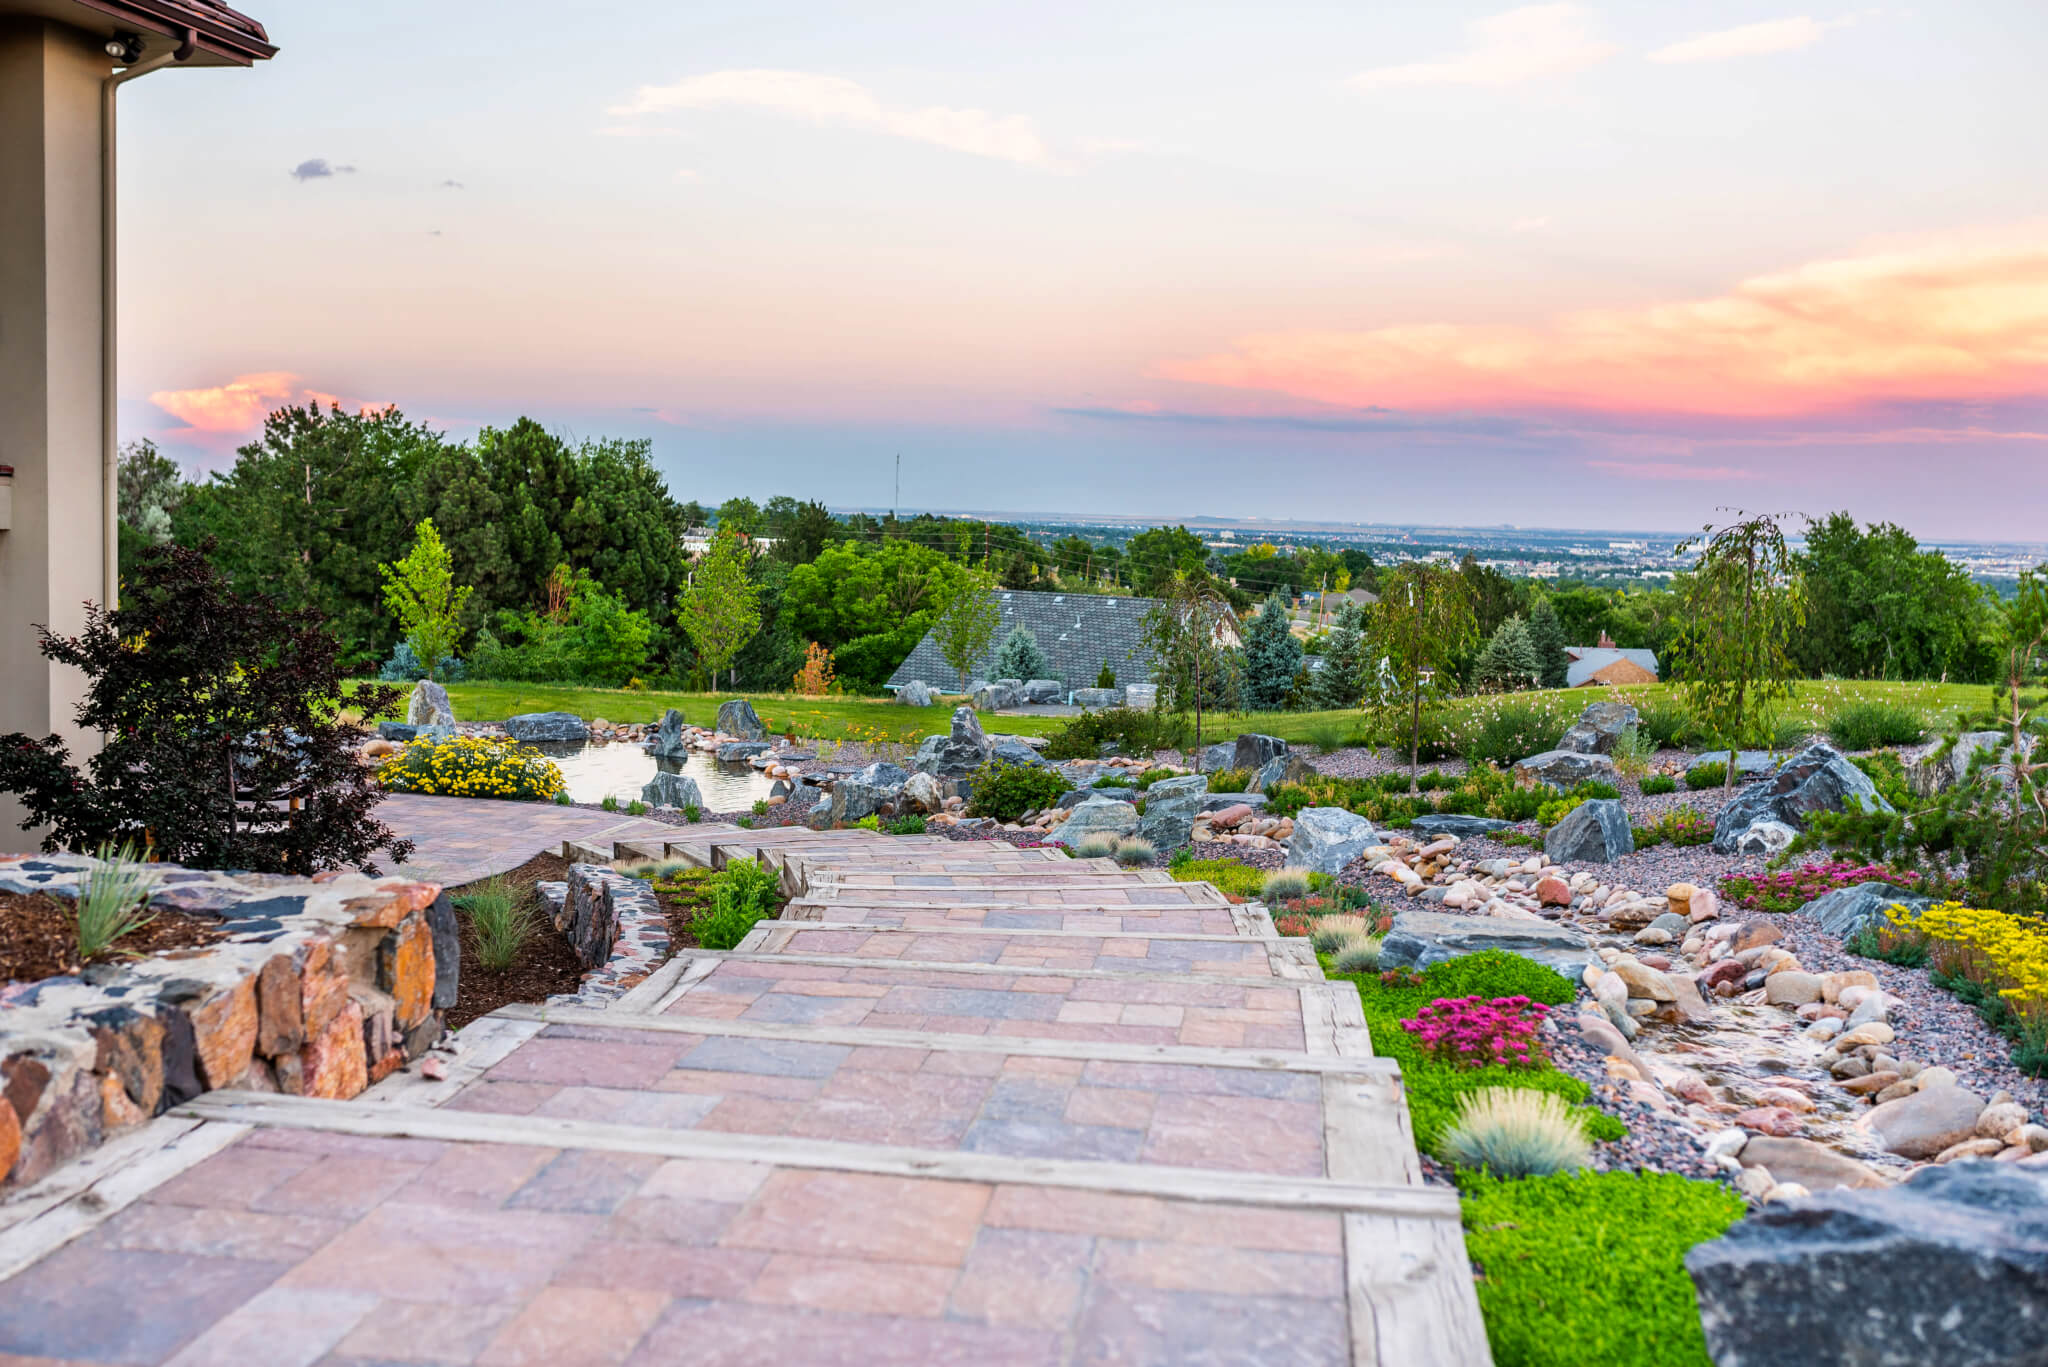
x: 1516, y: 1132
x: 1100, y: 845
x: 1332, y: 933
x: 1285, y: 885
x: 1360, y: 954
x: 113, y: 899
x: 1135, y: 852
x: 500, y: 922
x: 472, y: 766
x: 1475, y: 1032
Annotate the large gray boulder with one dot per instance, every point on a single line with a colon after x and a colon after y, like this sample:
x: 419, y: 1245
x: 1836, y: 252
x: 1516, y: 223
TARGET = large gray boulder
x: 1097, y: 699
x: 1253, y: 752
x: 1081, y: 795
x: 1948, y: 1269
x: 1563, y: 768
x: 1420, y: 938
x: 1325, y: 839
x: 1010, y: 750
x: 958, y: 754
x: 1170, y: 808
x: 1456, y: 823
x: 558, y: 727
x: 1845, y: 911
x: 740, y: 751
x: 1949, y: 763
x: 1216, y: 758
x: 672, y: 790
x: 1765, y: 839
x: 996, y: 697
x: 916, y: 693
x: 1749, y: 764
x: 868, y: 792
x: 1287, y: 768
x: 1044, y: 690
x: 923, y: 793
x: 1598, y: 727
x: 429, y: 706
x: 1595, y: 832
x: 739, y: 720
x: 1218, y: 802
x: 1817, y: 779
x: 1097, y: 817
x: 667, y: 742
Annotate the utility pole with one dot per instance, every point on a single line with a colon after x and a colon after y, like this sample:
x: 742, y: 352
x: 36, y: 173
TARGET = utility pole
x: 897, y: 501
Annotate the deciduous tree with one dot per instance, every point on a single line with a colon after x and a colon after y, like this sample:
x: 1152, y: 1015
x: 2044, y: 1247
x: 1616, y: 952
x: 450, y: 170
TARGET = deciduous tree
x: 720, y: 610
x: 1742, y: 608
x: 966, y: 625
x: 1422, y: 623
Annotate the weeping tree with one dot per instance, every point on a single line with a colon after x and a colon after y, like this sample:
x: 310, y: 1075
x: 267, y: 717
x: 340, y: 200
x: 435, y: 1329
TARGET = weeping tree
x: 1741, y: 605
x: 966, y: 625
x: 1423, y: 622
x: 1185, y: 631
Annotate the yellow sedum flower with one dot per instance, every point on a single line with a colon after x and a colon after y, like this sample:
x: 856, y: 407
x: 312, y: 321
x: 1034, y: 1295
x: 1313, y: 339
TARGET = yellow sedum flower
x: 472, y: 766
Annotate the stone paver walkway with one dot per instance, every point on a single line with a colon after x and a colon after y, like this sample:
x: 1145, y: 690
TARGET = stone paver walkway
x: 458, y: 840
x: 965, y: 1104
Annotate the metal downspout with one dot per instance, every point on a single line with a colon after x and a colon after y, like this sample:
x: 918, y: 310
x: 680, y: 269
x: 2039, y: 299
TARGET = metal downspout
x: 110, y: 481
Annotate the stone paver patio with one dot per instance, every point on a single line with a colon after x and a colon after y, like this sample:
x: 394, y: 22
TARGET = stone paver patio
x: 458, y: 840
x: 1043, y: 1131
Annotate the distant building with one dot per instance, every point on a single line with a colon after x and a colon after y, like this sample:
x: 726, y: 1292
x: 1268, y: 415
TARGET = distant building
x: 1077, y: 631
x: 1608, y: 665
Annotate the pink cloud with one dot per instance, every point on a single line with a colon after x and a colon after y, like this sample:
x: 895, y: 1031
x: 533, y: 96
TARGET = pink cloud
x: 226, y: 414
x: 1944, y: 322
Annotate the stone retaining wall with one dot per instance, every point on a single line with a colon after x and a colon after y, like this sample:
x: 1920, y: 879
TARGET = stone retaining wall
x: 615, y: 924
x: 321, y: 987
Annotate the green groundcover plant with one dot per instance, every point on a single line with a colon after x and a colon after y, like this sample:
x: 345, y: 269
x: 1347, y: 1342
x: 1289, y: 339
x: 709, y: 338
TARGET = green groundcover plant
x: 1585, y: 1268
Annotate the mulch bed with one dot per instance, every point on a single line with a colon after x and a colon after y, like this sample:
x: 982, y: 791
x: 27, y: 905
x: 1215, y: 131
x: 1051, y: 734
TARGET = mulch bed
x: 39, y: 937
x: 546, y: 967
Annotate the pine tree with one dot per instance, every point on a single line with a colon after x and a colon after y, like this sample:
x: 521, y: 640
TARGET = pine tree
x: 1340, y: 683
x: 1020, y: 657
x: 1509, y: 660
x: 1546, y: 634
x: 1271, y: 657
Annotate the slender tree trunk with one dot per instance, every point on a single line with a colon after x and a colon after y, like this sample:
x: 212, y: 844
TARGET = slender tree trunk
x: 1415, y: 737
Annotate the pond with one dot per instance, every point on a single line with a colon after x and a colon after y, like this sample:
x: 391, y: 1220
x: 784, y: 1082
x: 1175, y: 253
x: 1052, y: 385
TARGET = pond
x: 595, y: 772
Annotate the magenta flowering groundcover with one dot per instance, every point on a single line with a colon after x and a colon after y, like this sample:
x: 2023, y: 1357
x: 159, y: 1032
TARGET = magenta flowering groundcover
x: 1477, y: 1032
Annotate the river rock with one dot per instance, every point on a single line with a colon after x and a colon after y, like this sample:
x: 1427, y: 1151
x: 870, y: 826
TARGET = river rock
x: 1925, y: 1123
x: 1564, y: 768
x: 1421, y: 938
x: 1949, y: 1269
x: 668, y: 741
x: 1845, y: 911
x: 1096, y: 817
x: 546, y: 726
x: 1595, y: 832
x: 738, y: 719
x: 672, y: 790
x: 1811, y: 1165
x: 916, y: 693
x: 1456, y: 823
x: 1325, y: 839
x: 429, y: 706
x: 1816, y: 779
x: 1598, y: 727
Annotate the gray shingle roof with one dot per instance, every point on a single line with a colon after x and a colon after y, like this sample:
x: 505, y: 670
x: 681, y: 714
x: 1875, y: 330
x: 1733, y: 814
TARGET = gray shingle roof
x: 1590, y: 660
x: 1077, y: 632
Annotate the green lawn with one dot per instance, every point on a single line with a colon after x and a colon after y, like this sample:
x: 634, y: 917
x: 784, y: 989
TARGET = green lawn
x: 810, y: 718
x: 1814, y: 703
x: 877, y: 718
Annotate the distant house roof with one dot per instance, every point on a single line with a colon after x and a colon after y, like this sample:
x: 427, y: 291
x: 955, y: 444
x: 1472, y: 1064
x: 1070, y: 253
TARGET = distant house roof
x: 1077, y: 632
x: 1609, y: 665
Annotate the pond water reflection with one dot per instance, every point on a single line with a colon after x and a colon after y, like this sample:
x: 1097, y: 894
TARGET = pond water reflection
x: 594, y: 772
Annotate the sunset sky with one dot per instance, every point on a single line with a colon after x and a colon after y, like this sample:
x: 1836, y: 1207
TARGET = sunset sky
x: 1567, y: 265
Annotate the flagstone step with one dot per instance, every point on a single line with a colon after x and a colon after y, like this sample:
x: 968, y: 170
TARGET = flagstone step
x: 1234, y: 956
x: 1191, y: 920
x: 1134, y: 1010
x: 1173, y: 1114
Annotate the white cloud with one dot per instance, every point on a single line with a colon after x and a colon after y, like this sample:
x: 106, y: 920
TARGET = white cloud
x: 1507, y: 49
x: 1530, y: 225
x: 836, y: 100
x: 1750, y: 40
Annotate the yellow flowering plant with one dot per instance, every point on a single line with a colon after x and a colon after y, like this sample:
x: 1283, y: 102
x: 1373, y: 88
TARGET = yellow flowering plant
x: 472, y: 766
x: 1995, y: 960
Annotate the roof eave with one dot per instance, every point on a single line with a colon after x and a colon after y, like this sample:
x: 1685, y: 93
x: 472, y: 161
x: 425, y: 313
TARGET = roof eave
x: 214, y: 29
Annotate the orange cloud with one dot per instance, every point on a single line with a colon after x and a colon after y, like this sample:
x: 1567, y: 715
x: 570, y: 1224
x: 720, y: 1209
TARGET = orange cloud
x: 237, y: 408
x: 1938, y: 323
